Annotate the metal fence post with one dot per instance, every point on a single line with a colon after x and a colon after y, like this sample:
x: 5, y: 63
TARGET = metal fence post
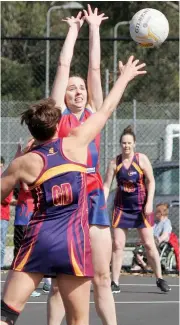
x: 134, y: 115
x: 121, y: 23
x: 106, y: 126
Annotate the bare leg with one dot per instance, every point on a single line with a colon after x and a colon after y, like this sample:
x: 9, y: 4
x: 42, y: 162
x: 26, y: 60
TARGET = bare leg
x: 119, y: 241
x: 75, y: 292
x: 140, y: 260
x: 18, y: 288
x: 103, y: 297
x: 147, y: 237
x: 101, y: 245
x: 55, y: 306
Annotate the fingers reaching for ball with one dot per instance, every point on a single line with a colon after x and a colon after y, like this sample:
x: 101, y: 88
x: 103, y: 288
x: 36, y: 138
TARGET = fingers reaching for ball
x: 132, y: 68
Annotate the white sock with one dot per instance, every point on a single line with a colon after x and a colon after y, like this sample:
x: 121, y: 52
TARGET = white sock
x: 47, y: 281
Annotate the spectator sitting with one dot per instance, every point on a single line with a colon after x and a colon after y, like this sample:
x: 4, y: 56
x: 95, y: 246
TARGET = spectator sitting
x: 161, y: 230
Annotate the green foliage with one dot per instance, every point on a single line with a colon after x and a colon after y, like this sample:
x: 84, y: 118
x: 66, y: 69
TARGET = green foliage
x: 17, y: 81
x: 24, y: 62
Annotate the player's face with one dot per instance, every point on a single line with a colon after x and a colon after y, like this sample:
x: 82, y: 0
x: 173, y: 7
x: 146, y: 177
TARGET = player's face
x: 76, y: 94
x: 127, y: 144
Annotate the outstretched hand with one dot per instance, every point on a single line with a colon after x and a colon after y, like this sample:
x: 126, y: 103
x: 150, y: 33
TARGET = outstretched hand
x: 93, y: 18
x: 21, y: 152
x: 75, y: 22
x: 132, y: 68
x: 30, y: 144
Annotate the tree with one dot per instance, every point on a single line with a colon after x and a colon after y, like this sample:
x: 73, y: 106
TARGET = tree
x: 23, y: 68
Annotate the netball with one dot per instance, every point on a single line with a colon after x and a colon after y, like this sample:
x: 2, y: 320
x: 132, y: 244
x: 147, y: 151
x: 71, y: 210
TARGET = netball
x: 149, y: 27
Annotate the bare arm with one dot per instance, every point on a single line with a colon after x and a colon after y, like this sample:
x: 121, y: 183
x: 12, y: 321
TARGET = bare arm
x: 94, y: 75
x: 87, y: 132
x: 65, y: 58
x: 150, y: 182
x: 163, y: 237
x: 25, y: 168
x: 10, y: 177
x: 110, y: 173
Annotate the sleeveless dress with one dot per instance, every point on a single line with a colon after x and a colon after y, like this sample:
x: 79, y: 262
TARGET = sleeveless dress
x: 131, y: 196
x: 57, y: 237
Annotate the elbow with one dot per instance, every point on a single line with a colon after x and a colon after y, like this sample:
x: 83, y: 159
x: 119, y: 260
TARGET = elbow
x: 151, y: 182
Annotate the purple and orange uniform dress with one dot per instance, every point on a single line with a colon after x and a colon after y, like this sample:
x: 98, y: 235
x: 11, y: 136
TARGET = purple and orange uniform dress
x: 57, y: 237
x: 131, y: 196
x: 98, y: 214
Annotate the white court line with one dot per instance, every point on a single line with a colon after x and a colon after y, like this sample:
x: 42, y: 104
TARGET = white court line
x: 145, y: 285
x: 131, y: 284
x: 119, y: 302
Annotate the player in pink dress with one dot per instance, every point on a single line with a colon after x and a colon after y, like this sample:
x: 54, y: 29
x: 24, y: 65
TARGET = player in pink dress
x: 77, y: 104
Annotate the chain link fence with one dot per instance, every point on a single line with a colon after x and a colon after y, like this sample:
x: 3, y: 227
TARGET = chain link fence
x: 150, y: 103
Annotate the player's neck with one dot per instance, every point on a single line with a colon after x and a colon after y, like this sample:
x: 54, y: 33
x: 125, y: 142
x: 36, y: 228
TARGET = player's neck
x: 78, y: 115
x: 77, y: 111
x: 49, y: 140
x: 127, y: 156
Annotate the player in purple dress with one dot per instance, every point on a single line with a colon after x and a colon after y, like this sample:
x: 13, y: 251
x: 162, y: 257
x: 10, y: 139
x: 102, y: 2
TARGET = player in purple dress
x: 133, y: 205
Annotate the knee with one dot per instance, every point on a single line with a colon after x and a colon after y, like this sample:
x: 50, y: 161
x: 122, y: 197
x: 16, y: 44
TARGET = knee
x: 150, y: 246
x: 54, y: 290
x: 102, y: 279
x: 118, y: 245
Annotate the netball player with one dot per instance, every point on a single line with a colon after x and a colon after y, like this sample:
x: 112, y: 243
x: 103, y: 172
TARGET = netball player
x: 77, y: 104
x: 133, y: 206
x: 57, y: 239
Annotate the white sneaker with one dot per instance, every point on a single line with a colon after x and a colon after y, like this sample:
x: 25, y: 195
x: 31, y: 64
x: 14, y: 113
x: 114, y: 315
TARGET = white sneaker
x: 35, y: 294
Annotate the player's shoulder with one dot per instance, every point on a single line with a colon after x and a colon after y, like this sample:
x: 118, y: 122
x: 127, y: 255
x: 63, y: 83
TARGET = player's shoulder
x: 31, y: 157
x: 112, y: 163
x: 140, y: 154
x: 142, y: 157
x: 89, y: 109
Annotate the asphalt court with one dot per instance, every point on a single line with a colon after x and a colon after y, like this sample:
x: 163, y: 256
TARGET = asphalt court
x: 140, y: 302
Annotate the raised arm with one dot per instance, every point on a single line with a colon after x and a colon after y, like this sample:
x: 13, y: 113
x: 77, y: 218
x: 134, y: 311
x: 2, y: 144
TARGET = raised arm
x: 65, y: 58
x: 110, y: 173
x: 94, y: 75
x: 150, y: 182
x: 85, y: 133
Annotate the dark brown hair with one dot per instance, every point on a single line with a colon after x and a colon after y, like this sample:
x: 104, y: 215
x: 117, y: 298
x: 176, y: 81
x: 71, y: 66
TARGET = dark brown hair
x: 42, y: 118
x: 164, y: 208
x: 128, y: 130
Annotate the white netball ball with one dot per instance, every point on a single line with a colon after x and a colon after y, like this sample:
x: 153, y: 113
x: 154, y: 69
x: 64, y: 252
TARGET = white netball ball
x: 149, y: 27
